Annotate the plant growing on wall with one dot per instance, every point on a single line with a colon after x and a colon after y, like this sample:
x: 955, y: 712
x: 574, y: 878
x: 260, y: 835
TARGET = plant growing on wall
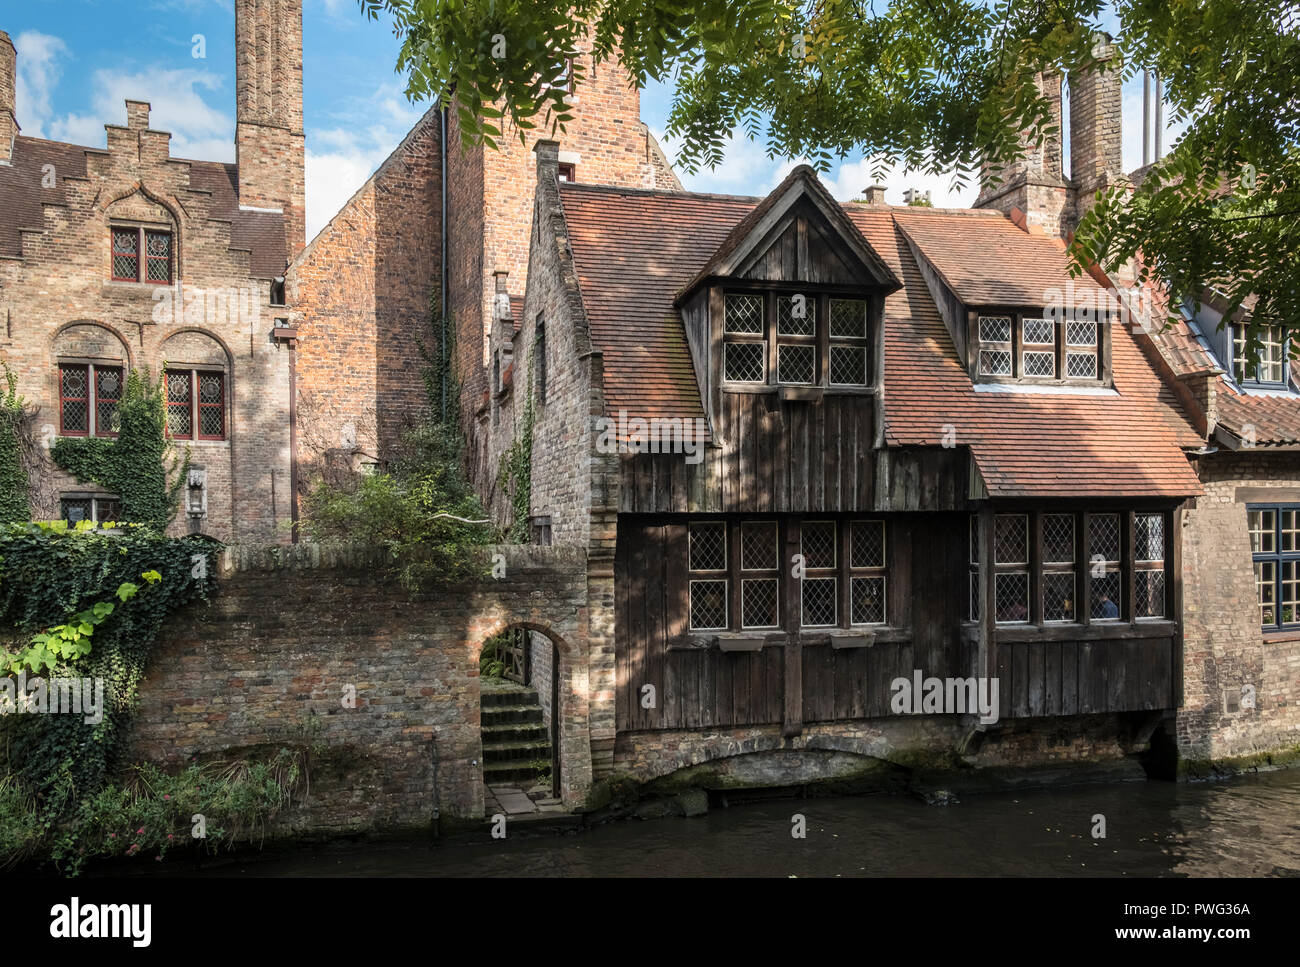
x: 516, y: 473
x: 56, y: 619
x: 135, y: 464
x: 14, y: 504
x: 420, y: 507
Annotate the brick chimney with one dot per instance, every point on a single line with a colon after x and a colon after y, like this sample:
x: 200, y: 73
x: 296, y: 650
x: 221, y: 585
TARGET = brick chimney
x: 875, y: 195
x: 548, y: 160
x: 269, y: 140
x: 8, y: 74
x: 1096, y: 146
x: 1035, y: 184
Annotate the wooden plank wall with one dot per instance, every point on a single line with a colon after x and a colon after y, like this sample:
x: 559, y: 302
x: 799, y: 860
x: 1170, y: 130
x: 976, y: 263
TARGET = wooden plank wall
x: 1085, y: 677
x: 796, y: 457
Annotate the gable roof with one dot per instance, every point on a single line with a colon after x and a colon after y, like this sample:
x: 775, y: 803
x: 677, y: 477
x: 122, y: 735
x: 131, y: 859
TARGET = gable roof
x: 754, y: 229
x: 23, y: 201
x: 634, y: 250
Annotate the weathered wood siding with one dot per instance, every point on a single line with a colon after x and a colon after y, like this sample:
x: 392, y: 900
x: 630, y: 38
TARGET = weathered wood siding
x: 796, y: 458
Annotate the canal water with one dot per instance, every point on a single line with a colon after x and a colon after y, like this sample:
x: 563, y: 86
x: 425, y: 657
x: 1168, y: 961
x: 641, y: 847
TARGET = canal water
x: 1249, y: 826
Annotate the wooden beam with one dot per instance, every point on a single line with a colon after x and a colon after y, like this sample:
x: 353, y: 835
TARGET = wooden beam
x: 793, y: 718
x: 987, y: 662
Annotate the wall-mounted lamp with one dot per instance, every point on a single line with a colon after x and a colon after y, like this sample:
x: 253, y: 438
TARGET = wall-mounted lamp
x: 196, y: 498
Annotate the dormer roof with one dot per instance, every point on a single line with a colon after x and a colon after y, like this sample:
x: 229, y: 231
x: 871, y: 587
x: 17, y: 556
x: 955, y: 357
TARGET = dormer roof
x: 752, y: 237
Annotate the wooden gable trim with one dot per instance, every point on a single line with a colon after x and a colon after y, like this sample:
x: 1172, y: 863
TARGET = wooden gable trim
x: 757, y: 228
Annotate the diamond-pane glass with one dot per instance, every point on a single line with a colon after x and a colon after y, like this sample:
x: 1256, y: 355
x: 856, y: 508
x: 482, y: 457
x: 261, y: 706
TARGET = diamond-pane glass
x: 868, y: 600
x: 1058, y: 538
x: 817, y: 544
x: 75, y: 404
x: 1081, y: 365
x: 973, y: 596
x: 212, y: 410
x: 818, y: 599
x: 708, y: 605
x: 796, y: 316
x: 126, y: 254
x: 758, y: 597
x: 108, y: 509
x: 867, y: 543
x: 744, y: 314
x: 974, y: 539
x: 1106, y: 596
x: 1149, y: 593
x: 179, y: 416
x: 108, y: 389
x: 995, y: 362
x: 1081, y: 334
x: 848, y: 365
x: 1058, y: 596
x: 1103, y: 537
x: 1040, y: 364
x: 758, y: 545
x: 745, y: 362
x: 795, y: 364
x: 1149, y: 537
x: 995, y: 329
x: 212, y: 420
x: 75, y: 509
x: 709, y: 547
x: 158, y: 251
x: 1011, y: 539
x: 1012, y: 590
x: 1039, y: 332
x: 1266, y: 587
x: 848, y: 318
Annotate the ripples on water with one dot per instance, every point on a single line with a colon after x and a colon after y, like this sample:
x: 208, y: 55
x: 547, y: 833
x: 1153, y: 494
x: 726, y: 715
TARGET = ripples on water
x: 1246, y: 827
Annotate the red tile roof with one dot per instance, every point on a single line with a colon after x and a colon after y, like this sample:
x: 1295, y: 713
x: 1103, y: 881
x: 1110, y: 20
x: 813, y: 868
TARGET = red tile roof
x: 22, y: 201
x: 633, y: 250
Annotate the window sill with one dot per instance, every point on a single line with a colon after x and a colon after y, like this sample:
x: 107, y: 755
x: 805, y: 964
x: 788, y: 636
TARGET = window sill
x: 864, y: 636
x: 1073, y: 631
x: 797, y: 389
x: 1289, y: 634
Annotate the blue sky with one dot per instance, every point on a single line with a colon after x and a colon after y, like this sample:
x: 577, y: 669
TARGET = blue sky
x: 79, y: 59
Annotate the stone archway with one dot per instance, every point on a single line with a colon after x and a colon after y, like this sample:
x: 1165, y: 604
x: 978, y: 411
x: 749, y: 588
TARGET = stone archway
x: 559, y: 666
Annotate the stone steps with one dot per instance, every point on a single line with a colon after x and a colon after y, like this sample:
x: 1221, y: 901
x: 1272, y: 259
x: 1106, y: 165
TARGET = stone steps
x: 516, y: 747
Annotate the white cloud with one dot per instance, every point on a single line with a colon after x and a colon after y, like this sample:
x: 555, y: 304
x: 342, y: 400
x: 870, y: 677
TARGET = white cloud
x: 746, y: 170
x: 341, y: 158
x: 39, y: 69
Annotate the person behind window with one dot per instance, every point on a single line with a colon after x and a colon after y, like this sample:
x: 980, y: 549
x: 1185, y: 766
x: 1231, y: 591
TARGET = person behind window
x: 1104, y: 607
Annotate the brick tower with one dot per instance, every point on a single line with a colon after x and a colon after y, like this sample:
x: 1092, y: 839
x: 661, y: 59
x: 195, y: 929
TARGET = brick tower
x: 269, y: 141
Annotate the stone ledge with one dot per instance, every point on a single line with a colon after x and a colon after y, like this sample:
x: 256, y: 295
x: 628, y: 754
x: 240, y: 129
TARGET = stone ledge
x: 271, y: 558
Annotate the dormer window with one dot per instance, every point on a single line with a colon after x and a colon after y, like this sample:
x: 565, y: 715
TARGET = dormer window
x: 1032, y: 348
x: 1265, y: 366
x: 795, y: 339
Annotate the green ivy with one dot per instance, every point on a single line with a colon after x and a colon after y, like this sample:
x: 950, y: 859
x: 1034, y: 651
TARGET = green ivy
x: 13, y: 476
x: 516, y: 473
x: 52, y: 579
x: 133, y: 464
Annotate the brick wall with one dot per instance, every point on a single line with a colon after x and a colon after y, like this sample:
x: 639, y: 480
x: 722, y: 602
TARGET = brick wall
x: 268, y: 662
x: 1224, y: 648
x: 362, y: 294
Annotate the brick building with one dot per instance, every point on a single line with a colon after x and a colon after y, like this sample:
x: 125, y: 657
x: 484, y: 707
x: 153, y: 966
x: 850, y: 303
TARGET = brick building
x: 366, y: 292
x: 125, y: 257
